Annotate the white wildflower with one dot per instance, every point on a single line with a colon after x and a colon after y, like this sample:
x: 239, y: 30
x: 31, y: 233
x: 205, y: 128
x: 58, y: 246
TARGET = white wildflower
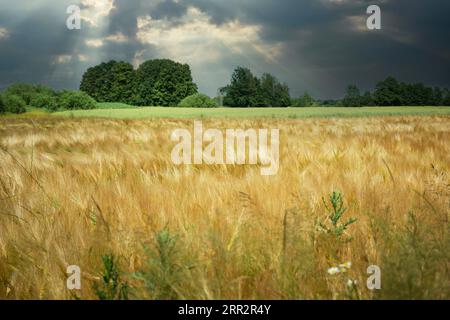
x: 351, y: 283
x: 333, y: 270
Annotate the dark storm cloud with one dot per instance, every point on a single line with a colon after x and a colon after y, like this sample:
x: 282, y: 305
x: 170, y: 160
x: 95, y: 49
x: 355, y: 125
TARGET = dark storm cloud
x: 39, y: 48
x: 323, y: 43
x: 27, y: 51
x: 327, y: 52
x: 123, y: 17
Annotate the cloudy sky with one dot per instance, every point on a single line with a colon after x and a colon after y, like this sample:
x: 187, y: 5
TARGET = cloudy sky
x: 316, y: 45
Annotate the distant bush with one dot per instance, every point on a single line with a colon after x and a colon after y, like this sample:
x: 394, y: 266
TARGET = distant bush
x: 49, y: 102
x: 198, y: 100
x: 19, y: 95
x: 28, y: 91
x: 304, y: 101
x: 13, y: 103
x: 72, y: 100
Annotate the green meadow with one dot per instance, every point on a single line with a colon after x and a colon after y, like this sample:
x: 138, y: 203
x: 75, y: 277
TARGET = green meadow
x: 119, y: 111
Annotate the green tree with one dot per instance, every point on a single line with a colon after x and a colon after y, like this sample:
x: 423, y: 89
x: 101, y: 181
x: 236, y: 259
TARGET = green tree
x: 388, y: 92
x: 163, y: 82
x: 367, y: 99
x: 243, y: 90
x: 111, y: 81
x: 246, y: 90
x: 438, y: 96
x: 416, y: 95
x: 407, y: 96
x: 424, y: 94
x: 267, y: 91
x: 352, y: 97
x: 306, y: 100
x: 272, y: 93
x: 13, y: 103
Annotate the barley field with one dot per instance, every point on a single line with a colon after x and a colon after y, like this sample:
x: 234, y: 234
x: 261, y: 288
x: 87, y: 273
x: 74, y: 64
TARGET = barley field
x: 104, y: 195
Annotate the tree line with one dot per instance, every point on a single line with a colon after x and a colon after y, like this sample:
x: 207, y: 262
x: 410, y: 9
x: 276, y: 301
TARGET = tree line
x: 247, y: 90
x: 163, y: 82
x: 18, y: 96
x: 391, y: 92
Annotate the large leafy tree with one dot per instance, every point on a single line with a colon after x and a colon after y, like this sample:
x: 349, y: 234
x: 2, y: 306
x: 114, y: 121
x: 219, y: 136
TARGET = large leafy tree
x: 246, y: 90
x: 273, y: 93
x: 352, y: 97
x: 111, y: 81
x: 388, y: 92
x: 421, y: 95
x: 242, y: 92
x: 163, y: 82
